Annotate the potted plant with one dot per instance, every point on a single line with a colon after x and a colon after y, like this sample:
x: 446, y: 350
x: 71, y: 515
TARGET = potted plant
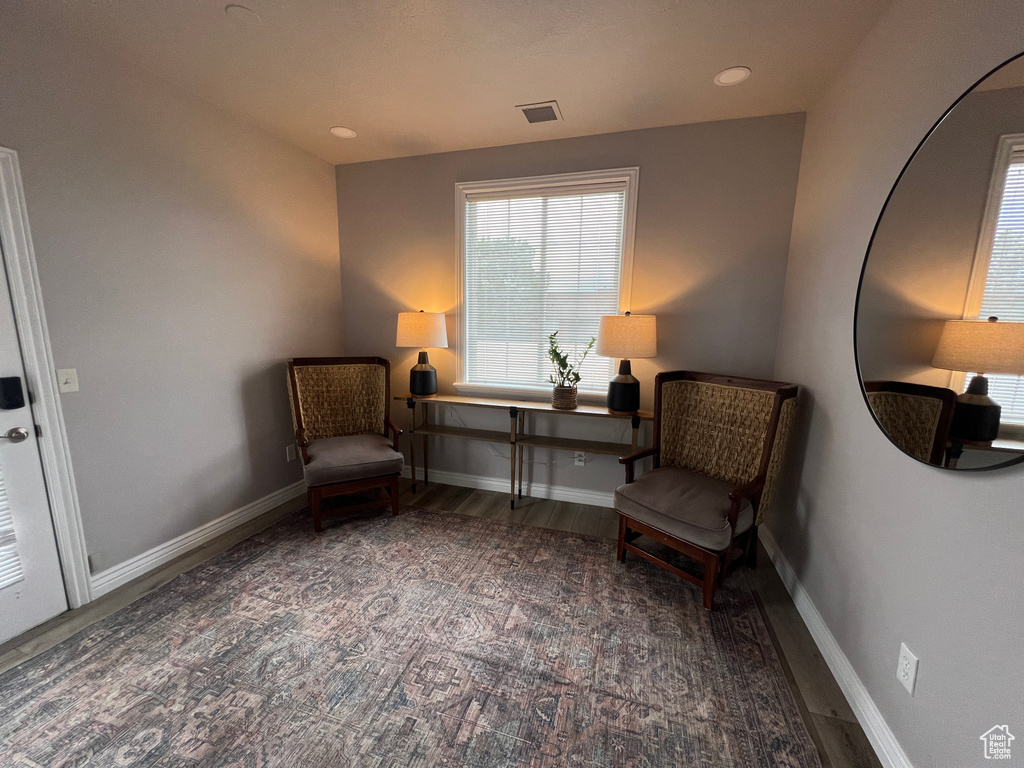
x: 566, y: 375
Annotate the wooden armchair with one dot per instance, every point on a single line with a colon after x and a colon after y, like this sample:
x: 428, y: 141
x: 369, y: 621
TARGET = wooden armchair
x: 341, y: 411
x: 916, y: 417
x: 718, y: 445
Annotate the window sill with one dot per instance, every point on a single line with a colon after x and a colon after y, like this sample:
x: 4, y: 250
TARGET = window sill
x: 538, y: 394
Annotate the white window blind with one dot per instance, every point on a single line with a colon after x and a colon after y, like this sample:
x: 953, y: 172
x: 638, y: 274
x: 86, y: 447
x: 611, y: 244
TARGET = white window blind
x: 1004, y: 282
x: 10, y: 563
x: 536, y: 261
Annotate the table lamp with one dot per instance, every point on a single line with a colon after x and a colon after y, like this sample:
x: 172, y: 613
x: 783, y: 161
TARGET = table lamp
x: 422, y: 329
x: 627, y: 337
x: 983, y: 346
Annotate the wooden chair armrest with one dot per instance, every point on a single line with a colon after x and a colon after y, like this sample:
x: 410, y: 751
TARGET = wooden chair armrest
x: 637, y: 456
x: 302, y: 442
x: 751, y: 490
x: 631, y: 460
x: 388, y: 426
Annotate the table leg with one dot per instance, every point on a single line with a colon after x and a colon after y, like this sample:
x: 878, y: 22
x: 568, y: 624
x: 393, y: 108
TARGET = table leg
x: 953, y: 453
x: 635, y: 423
x: 522, y: 451
x: 411, y: 405
x: 513, y: 418
x: 425, y: 419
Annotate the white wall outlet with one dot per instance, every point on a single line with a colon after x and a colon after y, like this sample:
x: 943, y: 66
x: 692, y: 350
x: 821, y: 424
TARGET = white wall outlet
x: 289, y: 453
x: 906, y: 668
x: 67, y: 379
x: 579, y: 458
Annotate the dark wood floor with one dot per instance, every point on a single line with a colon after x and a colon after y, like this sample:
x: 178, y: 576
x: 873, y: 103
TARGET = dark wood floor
x: 841, y: 741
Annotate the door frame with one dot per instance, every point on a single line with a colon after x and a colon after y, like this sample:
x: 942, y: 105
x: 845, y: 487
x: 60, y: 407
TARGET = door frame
x: 41, y: 380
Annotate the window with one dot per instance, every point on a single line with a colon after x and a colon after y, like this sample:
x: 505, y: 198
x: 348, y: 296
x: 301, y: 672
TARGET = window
x: 997, y: 280
x: 539, y: 255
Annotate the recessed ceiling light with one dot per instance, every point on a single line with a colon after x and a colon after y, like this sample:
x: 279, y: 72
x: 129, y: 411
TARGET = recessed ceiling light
x: 241, y: 15
x: 732, y: 76
x: 342, y: 132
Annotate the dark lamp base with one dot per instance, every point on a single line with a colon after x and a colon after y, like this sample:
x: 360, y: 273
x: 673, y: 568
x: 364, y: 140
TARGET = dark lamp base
x: 975, y: 421
x: 423, y: 378
x: 976, y: 416
x: 624, y: 391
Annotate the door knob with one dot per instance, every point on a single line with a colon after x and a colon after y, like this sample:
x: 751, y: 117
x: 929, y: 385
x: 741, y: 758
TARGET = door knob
x: 16, y: 435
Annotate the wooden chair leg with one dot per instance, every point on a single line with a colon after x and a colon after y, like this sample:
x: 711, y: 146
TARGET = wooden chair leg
x: 393, y: 490
x: 314, y: 502
x: 710, y: 579
x: 622, y: 539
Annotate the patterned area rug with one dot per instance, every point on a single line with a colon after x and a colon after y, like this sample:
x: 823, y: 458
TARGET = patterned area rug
x: 422, y: 640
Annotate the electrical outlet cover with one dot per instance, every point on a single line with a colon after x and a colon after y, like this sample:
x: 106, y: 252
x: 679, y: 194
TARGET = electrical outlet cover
x: 906, y: 669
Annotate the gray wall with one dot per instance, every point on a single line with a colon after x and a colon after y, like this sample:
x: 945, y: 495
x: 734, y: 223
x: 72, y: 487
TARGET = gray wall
x: 921, y: 258
x: 715, y: 206
x: 183, y: 256
x: 888, y: 549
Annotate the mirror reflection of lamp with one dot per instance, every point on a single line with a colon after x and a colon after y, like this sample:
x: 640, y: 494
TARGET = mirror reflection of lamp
x: 626, y: 337
x: 987, y: 347
x: 422, y: 329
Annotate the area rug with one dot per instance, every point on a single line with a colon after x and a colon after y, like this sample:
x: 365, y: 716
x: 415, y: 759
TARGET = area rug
x: 419, y: 640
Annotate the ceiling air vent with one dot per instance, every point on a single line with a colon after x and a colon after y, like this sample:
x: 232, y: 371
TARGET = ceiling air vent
x: 542, y: 112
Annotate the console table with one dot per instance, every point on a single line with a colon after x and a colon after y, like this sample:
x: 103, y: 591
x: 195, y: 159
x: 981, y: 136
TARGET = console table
x: 517, y: 438
x: 1000, y: 450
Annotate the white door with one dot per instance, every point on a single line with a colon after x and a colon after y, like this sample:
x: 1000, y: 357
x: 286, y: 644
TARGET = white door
x: 31, y: 584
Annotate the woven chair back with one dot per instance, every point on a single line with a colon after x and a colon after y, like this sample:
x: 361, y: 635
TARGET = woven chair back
x: 338, y: 399
x: 782, y: 435
x: 910, y: 420
x: 724, y: 431
x: 915, y: 416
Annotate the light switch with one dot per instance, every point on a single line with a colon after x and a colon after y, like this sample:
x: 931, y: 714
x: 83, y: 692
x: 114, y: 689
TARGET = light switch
x: 67, y: 379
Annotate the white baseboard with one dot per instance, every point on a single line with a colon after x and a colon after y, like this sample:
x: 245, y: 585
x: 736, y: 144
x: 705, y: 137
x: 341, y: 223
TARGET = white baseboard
x: 537, y: 490
x: 888, y: 749
x: 140, y: 565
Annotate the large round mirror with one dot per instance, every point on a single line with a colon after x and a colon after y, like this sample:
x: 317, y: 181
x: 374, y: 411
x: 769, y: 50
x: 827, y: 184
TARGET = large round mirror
x: 940, y: 310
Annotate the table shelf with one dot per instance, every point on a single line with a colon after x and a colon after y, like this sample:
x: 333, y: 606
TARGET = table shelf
x: 484, y: 435
x: 516, y: 437
x: 572, y: 444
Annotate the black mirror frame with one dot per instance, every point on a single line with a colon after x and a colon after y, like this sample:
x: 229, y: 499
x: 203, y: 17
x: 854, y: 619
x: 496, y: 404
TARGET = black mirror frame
x: 864, y: 266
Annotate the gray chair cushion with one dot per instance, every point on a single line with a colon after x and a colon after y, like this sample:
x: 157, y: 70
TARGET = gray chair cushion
x: 353, y: 457
x: 683, y: 504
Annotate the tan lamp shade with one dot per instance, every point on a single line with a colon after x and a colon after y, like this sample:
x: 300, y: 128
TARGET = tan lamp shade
x: 983, y: 346
x: 627, y: 336
x: 421, y: 329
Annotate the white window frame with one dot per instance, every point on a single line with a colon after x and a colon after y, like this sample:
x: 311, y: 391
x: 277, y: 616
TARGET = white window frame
x: 540, y: 184
x: 1007, y: 146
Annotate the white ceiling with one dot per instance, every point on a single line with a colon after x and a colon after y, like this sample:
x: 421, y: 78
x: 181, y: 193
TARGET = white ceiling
x: 420, y: 76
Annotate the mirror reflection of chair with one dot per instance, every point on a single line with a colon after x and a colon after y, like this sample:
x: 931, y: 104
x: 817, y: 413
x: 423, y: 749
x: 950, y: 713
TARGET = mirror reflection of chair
x: 916, y: 417
x: 341, y: 413
x: 718, y: 446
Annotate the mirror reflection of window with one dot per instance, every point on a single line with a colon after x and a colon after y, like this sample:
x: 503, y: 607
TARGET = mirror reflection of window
x: 997, y: 278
